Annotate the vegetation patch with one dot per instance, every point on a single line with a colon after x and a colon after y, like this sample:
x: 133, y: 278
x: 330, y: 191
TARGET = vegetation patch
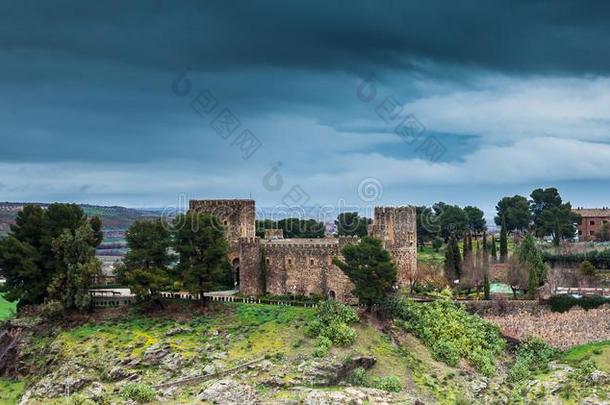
x: 532, y: 357
x: 563, y: 303
x: 7, y: 308
x: 332, y: 324
x: 598, y: 352
x: 451, y: 333
x: 10, y: 391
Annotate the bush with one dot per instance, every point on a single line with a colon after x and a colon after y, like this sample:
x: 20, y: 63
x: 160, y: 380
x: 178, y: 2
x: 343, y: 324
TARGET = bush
x: 450, y: 332
x: 358, y: 377
x: 332, y: 322
x: 51, y: 310
x: 321, y: 347
x: 389, y: 383
x: 532, y: 356
x: 563, y: 303
x: 141, y: 393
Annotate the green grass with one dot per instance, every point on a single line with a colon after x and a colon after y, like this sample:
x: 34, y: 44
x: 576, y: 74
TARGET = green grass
x: 598, y: 352
x: 10, y: 391
x: 429, y: 255
x: 7, y: 309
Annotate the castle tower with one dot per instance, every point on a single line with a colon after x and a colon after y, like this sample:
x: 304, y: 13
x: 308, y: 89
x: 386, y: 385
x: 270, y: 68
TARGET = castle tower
x: 238, y: 218
x: 397, y: 228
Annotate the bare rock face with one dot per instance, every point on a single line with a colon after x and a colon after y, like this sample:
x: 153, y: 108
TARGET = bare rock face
x: 349, y: 395
x: 229, y: 391
x: 69, y: 378
x: 331, y: 371
x: 155, y: 353
x: 178, y: 330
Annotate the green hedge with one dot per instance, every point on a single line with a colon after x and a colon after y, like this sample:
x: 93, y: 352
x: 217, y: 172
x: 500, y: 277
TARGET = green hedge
x: 600, y: 259
x: 562, y: 303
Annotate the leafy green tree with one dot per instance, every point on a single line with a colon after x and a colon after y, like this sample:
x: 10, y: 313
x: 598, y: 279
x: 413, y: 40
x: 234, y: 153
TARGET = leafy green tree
x: 202, y: 248
x: 25, y: 280
x: 515, y: 211
x: 369, y: 266
x: 351, y: 224
x: 428, y: 225
x: 551, y: 216
x: 75, y: 254
x: 452, y: 219
x: 503, y: 242
x: 292, y: 227
x: 494, y: 250
x: 530, y: 255
x: 603, y: 233
x: 145, y: 268
x: 476, y: 219
x: 31, y: 261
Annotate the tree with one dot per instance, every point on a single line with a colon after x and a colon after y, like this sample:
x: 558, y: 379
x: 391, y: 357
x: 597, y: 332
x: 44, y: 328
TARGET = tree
x: 145, y: 268
x: 292, y: 227
x: 452, y: 219
x: 485, y: 256
x: 517, y: 274
x: 530, y: 255
x: 369, y: 266
x: 38, y: 253
x: 515, y: 211
x: 453, y: 260
x: 476, y: 219
x: 503, y: 242
x: 603, y: 233
x: 428, y: 225
x: 75, y: 254
x: 202, y: 248
x: 551, y: 216
x: 351, y: 224
x: 494, y: 251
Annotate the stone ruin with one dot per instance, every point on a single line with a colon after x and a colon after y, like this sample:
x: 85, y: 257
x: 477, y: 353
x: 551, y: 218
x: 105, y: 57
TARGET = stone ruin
x: 279, y: 266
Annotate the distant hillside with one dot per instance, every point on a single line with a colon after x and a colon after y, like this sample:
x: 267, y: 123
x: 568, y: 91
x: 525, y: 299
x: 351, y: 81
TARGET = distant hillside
x: 114, y: 217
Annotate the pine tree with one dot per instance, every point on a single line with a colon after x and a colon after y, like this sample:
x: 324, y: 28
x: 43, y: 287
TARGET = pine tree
x: 503, y: 242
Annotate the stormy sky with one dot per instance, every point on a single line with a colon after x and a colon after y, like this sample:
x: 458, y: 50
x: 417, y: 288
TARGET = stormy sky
x: 145, y: 104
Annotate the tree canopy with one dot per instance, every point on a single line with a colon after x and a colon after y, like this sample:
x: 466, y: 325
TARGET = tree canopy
x: 476, y: 219
x: 352, y: 224
x: 292, y: 227
x: 369, y: 266
x: 49, y: 254
x: 515, y: 211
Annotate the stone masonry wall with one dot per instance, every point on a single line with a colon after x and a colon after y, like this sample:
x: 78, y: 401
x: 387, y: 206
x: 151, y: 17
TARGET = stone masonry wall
x: 237, y: 216
x: 396, y: 227
x: 304, y: 268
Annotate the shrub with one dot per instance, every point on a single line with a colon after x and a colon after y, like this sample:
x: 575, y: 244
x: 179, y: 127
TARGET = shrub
x: 52, y: 310
x: 563, y: 303
x: 533, y: 355
x: 358, y: 377
x: 388, y: 383
x: 141, y: 393
x: 321, y: 347
x: 450, y: 332
x: 332, y: 321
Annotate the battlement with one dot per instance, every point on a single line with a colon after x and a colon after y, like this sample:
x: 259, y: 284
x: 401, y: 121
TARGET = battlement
x: 195, y: 204
x: 388, y: 210
x: 250, y: 240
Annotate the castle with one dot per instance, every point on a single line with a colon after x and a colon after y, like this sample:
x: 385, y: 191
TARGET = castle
x: 279, y: 266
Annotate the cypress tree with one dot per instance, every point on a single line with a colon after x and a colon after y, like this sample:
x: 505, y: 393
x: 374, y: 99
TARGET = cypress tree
x: 486, y: 286
x: 450, y: 260
x: 503, y: 241
x: 457, y: 259
x: 494, y: 252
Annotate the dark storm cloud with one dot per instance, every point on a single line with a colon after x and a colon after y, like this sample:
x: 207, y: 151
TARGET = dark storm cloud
x: 518, y: 36
x: 88, y: 85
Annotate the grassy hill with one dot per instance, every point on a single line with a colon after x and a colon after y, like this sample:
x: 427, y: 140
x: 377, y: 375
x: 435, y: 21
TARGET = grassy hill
x: 119, y: 354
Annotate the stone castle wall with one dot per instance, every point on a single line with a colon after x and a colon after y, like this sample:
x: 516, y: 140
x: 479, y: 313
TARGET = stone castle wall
x: 237, y: 216
x: 304, y: 266
x: 396, y: 228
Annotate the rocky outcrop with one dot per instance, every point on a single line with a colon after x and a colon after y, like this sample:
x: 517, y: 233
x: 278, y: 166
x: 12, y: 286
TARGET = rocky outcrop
x: 229, y: 391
